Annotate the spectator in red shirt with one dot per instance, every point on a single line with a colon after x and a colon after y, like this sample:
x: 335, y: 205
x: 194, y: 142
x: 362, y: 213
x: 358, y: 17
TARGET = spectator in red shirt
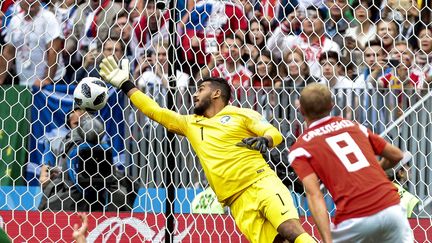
x: 231, y: 68
x: 5, y: 5
x: 210, y: 21
x: 229, y: 65
x: 405, y: 80
x: 341, y: 154
x: 149, y: 29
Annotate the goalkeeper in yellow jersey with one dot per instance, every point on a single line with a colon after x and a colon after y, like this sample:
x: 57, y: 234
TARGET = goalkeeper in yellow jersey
x: 228, y: 142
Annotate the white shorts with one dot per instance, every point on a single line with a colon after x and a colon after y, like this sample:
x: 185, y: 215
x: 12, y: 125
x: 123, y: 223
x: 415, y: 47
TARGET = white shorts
x: 388, y: 225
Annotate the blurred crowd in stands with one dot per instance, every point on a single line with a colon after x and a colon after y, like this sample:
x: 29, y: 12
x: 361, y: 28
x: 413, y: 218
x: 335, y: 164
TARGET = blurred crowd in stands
x: 266, y: 49
x: 271, y: 43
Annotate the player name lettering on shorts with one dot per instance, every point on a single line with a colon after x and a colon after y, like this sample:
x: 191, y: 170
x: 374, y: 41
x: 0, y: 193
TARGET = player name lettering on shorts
x: 334, y: 126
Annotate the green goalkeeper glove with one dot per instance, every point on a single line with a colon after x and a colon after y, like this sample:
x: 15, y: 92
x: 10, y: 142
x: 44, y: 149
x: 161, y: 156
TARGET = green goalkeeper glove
x: 255, y: 143
x: 111, y: 73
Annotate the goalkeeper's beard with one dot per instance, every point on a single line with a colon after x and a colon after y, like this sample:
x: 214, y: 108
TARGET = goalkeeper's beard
x: 203, y: 106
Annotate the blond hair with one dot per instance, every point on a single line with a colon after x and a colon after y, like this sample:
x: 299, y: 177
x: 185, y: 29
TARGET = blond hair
x: 316, y: 101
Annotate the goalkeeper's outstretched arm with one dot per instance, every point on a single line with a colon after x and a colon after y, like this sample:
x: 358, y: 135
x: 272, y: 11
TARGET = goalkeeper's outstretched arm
x: 119, y: 77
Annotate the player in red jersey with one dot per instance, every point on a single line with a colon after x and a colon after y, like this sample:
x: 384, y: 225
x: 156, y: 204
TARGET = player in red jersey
x: 341, y: 154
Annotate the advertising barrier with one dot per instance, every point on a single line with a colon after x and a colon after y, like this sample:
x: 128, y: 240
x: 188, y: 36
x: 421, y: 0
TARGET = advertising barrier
x: 33, y: 226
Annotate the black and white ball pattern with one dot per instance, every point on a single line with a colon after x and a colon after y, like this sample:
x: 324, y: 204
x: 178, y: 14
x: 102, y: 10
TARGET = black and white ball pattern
x: 91, y: 94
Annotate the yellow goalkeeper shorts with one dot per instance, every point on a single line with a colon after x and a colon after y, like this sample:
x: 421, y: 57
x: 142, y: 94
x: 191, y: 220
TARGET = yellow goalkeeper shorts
x: 262, y: 207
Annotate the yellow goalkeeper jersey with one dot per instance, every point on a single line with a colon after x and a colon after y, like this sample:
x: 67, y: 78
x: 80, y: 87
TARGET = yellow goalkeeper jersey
x: 228, y: 168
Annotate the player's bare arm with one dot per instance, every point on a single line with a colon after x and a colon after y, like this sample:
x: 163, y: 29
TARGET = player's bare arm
x: 53, y: 50
x: 391, y: 156
x: 80, y: 232
x: 6, y: 59
x: 317, y: 205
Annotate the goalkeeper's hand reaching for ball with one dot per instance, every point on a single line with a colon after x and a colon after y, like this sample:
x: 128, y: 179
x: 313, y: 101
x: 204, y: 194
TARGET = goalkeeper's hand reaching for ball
x: 115, y: 75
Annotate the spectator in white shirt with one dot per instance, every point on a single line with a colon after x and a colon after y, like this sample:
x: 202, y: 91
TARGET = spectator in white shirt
x: 340, y: 86
x: 330, y: 64
x: 34, y: 39
x: 365, y: 13
x: 312, y: 41
x: 65, y: 12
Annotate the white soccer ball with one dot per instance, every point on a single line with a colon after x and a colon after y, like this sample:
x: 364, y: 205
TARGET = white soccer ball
x: 91, y: 94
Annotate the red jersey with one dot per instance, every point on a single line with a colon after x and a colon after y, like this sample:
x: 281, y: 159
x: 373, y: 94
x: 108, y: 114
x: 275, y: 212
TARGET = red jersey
x: 241, y: 77
x: 342, y: 154
x: 239, y: 80
x: 6, y: 4
x: 226, y: 17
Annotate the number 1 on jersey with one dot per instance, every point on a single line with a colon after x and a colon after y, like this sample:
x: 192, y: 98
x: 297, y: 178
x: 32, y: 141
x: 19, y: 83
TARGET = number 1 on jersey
x: 202, y: 133
x: 342, y: 152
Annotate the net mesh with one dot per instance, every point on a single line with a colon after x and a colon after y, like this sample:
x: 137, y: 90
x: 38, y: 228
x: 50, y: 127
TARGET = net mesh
x: 376, y: 56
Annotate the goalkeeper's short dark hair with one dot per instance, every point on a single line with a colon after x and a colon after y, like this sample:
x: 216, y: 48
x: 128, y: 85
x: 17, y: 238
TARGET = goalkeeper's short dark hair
x: 219, y: 83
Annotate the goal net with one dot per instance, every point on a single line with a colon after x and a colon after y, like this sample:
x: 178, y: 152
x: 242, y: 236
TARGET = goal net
x: 376, y: 57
